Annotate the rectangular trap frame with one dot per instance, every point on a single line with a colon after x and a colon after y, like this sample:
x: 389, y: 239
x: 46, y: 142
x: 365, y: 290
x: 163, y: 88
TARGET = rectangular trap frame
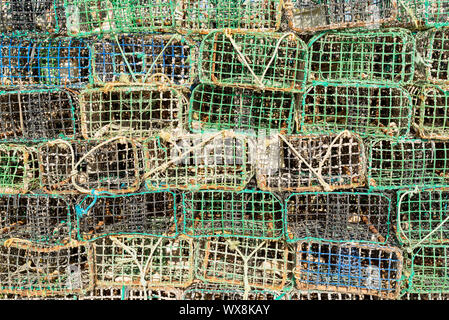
x: 338, y: 216
x: 126, y: 293
x: 244, y: 262
x: 215, y: 160
x: 312, y: 295
x: 267, y: 61
x: 248, y: 213
x: 370, y: 110
x: 136, y: 57
x: 145, y: 213
x: 51, y: 62
x: 143, y: 262
x: 307, y: 16
x: 435, y: 13
x: 386, y: 56
x: 210, y: 291
x: 298, y: 163
x: 348, y: 268
x: 92, y: 17
x: 247, y: 110
x: 31, y: 271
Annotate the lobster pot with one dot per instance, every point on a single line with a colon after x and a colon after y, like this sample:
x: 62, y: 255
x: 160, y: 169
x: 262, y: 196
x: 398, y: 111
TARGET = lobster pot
x: 114, y: 166
x: 49, y: 62
x: 298, y: 163
x: 247, y: 110
x: 338, y: 216
x: 407, y: 163
x: 374, y: 56
x: 126, y: 293
x: 248, y: 213
x: 218, y: 292
x: 270, y: 61
x: 263, y: 263
x: 18, y: 169
x: 204, y: 16
x: 425, y: 296
x: 194, y: 161
x: 327, y: 296
x: 135, y: 111
x: 367, y: 109
x: 147, y: 213
x: 45, y: 271
x: 36, y: 218
x: 348, y: 268
x: 311, y: 16
x: 435, y: 12
x: 31, y: 16
x: 36, y: 115
x: 90, y: 17
x: 140, y: 56
x: 143, y: 262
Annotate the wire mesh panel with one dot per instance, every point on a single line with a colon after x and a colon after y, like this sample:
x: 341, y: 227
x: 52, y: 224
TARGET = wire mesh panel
x: 348, y: 268
x: 126, y: 293
x: 323, y: 295
x: 248, y: 213
x: 207, y: 15
x: 146, y: 213
x: 433, y: 54
x: 198, y: 161
x: 50, y: 62
x: 271, y: 61
x: 252, y: 263
x: 407, y: 163
x: 88, y: 17
x: 338, y: 216
x: 425, y: 296
x: 221, y: 108
x: 436, y: 12
x: 45, y: 271
x: 205, y: 291
x: 316, y: 15
x: 299, y: 163
x: 374, y: 56
x: 137, y: 57
x: 130, y: 111
x: 36, y: 115
x: 367, y: 109
x: 36, y: 218
x: 18, y: 169
x: 143, y: 262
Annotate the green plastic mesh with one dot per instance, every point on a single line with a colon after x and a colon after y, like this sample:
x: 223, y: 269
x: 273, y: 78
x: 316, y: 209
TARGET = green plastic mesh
x: 374, y: 56
x: 367, y: 109
x: 248, y: 213
x: 432, y: 55
x: 271, y: 61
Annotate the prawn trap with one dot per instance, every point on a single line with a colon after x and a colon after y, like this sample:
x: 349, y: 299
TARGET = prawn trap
x: 135, y: 58
x: 244, y: 262
x: 36, y: 218
x: 348, y: 268
x: 408, y: 163
x: 146, y: 213
x: 90, y: 17
x: 435, y: 12
x: 247, y: 110
x: 338, y: 216
x: 143, y: 262
x: 136, y: 111
x: 368, y: 56
x: 208, y: 15
x: 299, y: 163
x: 433, y: 54
x: 36, y: 115
x: 126, y: 293
x: 267, y: 61
x: 45, y: 271
x: 114, y: 166
x: 316, y: 15
x: 248, y: 213
x: 50, y: 62
x: 206, y: 292
x: 218, y: 160
x: 367, y: 109
x: 323, y: 295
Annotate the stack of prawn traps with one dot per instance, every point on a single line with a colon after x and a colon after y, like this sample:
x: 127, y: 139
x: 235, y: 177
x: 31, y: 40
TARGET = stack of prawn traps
x: 224, y: 149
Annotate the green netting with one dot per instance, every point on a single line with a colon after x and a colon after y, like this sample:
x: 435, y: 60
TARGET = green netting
x: 136, y: 111
x: 89, y: 17
x: 367, y: 109
x: 253, y: 214
x: 408, y: 163
x: 271, y: 61
x: 221, y: 108
x: 371, y: 56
